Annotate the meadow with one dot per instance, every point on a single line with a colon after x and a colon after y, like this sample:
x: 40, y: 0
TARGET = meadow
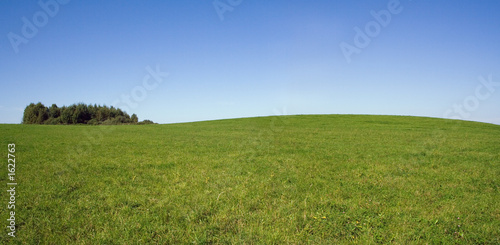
x: 306, y: 179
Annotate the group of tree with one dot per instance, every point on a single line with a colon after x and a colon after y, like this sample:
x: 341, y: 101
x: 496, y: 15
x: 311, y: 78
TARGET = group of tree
x: 78, y: 114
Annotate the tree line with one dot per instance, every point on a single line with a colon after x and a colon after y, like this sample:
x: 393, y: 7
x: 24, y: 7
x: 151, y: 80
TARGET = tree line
x: 78, y: 114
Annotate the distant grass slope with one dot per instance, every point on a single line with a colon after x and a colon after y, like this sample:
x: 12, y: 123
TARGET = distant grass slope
x: 322, y: 179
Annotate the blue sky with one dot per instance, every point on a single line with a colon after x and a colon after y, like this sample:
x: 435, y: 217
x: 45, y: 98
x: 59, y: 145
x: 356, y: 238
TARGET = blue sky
x: 431, y: 58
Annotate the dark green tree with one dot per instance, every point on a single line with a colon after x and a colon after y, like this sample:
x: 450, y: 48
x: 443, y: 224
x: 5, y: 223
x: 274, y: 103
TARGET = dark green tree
x: 78, y: 114
x: 66, y: 115
x: 134, y: 118
x: 81, y: 114
x: 101, y: 114
x: 29, y: 114
x: 54, y: 111
x: 35, y: 114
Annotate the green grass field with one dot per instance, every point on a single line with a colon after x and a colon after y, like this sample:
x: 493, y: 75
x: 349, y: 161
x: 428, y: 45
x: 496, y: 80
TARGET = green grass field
x: 319, y: 179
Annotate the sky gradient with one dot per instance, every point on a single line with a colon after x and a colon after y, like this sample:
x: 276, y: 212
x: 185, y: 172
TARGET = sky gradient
x: 253, y: 58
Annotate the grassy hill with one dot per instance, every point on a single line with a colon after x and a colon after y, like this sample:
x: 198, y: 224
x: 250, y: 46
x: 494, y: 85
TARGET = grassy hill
x: 321, y: 179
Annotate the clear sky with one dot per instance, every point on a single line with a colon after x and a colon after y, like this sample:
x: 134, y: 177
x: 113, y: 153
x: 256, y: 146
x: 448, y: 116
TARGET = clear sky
x: 244, y: 58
